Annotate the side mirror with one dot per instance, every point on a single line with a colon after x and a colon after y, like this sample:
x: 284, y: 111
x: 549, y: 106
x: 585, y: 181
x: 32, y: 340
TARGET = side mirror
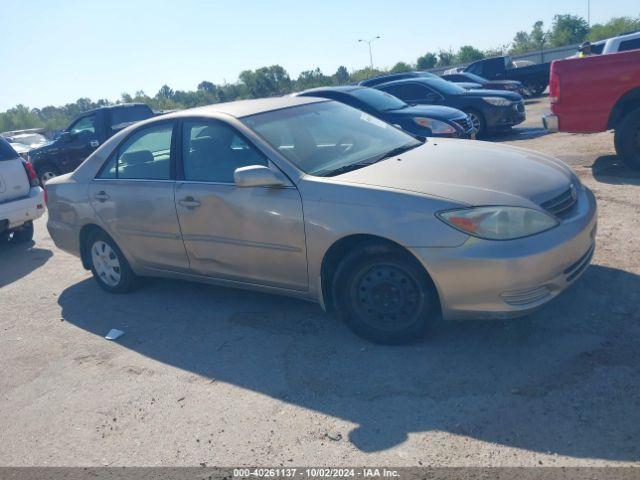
x: 256, y: 176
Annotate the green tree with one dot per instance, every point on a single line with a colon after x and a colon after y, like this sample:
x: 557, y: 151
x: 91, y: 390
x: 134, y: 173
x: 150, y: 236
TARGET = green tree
x: 445, y: 59
x: 266, y: 81
x: 341, y: 77
x: 312, y: 79
x: 468, y: 54
x: 613, y: 28
x: 567, y: 29
x: 401, y: 67
x: 426, y: 61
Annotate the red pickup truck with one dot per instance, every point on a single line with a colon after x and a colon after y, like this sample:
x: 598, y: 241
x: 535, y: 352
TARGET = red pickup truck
x: 599, y: 93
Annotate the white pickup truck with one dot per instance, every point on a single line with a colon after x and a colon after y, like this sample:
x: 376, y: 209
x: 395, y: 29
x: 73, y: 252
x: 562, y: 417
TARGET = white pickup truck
x: 21, y: 197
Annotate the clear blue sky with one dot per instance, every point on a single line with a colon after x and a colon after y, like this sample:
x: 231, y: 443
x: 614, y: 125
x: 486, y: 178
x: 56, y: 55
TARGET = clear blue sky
x: 53, y: 52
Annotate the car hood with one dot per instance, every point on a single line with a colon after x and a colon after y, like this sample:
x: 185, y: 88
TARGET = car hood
x: 504, y: 82
x: 469, y: 172
x: 436, y: 112
x: 492, y: 93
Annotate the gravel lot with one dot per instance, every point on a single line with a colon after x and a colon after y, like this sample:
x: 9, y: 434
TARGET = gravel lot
x: 207, y: 375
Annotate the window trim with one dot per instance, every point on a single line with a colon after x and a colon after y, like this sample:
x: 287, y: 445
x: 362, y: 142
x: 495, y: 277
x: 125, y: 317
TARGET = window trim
x: 116, y: 153
x: 180, y: 176
x: 419, y: 84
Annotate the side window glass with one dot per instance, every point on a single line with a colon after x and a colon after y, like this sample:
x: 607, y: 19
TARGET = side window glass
x: 146, y: 155
x: 211, y: 152
x: 84, y: 126
x: 630, y: 45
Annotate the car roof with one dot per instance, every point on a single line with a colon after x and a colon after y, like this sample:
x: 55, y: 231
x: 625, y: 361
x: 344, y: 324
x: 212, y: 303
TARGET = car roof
x: 340, y: 88
x: 427, y: 80
x: 245, y: 108
x: 388, y: 77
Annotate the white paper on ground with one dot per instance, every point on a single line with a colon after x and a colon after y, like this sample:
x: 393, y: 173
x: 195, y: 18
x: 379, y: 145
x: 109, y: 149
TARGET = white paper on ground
x: 114, y: 334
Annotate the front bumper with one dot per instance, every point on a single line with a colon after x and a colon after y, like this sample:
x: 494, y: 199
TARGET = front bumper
x: 505, y: 279
x: 550, y: 123
x: 505, y: 117
x: 15, y: 213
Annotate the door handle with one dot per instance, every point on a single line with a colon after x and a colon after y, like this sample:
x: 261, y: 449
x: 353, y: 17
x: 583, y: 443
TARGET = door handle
x: 102, y: 196
x: 94, y: 143
x: 189, y: 202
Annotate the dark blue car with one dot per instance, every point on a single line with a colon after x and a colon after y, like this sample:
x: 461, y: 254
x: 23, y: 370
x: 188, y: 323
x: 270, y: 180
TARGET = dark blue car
x: 490, y: 110
x: 421, y: 121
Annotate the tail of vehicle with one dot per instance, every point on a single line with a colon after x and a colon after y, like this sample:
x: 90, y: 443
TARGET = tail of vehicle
x: 14, y: 177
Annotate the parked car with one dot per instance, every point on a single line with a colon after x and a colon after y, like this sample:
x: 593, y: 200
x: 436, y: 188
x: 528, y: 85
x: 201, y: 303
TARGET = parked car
x: 534, y: 78
x: 372, y: 82
x: 23, y: 143
x: 82, y: 137
x: 21, y: 198
x: 621, y: 43
x: 421, y: 121
x: 489, y: 110
x: 317, y: 200
x: 599, y: 93
x: 466, y: 77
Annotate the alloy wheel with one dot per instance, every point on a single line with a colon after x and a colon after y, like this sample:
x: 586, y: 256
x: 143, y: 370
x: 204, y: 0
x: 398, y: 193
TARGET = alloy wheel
x: 475, y: 122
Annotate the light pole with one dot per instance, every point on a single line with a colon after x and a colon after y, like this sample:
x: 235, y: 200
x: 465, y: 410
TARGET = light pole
x: 589, y: 12
x: 369, y: 42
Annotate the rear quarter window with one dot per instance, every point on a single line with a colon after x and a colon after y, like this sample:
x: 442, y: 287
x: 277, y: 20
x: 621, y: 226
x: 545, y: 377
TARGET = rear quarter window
x: 120, y: 117
x: 6, y: 150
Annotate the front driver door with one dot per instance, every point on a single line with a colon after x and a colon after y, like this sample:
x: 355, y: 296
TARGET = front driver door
x: 82, y: 143
x: 247, y: 234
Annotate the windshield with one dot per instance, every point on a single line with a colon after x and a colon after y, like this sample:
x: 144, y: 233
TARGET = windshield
x: 378, y: 100
x: 6, y: 151
x: 320, y: 138
x: 445, y: 87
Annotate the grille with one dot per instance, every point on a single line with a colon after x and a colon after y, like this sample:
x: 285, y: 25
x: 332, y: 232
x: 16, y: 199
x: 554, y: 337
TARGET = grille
x: 562, y: 205
x: 465, y: 123
x: 578, y: 267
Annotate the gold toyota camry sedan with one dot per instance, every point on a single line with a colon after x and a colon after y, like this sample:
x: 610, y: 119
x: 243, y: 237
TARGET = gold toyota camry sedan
x: 315, y: 199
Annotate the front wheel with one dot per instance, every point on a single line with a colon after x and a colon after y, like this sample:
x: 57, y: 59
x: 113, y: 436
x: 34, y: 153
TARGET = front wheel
x: 478, y: 122
x: 385, y: 297
x: 109, y: 266
x: 627, y: 139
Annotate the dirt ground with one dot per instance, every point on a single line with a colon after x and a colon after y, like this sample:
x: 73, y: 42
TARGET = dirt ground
x: 207, y: 375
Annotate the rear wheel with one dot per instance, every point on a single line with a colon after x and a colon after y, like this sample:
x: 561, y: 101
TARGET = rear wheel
x: 108, y: 265
x: 627, y: 139
x: 23, y: 234
x: 46, y: 172
x: 385, y: 296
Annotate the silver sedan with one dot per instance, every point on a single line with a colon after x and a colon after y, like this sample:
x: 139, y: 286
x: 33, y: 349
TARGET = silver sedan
x: 317, y: 200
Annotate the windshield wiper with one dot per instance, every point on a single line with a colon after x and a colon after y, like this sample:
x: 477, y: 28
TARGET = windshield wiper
x: 397, y: 151
x: 355, y: 166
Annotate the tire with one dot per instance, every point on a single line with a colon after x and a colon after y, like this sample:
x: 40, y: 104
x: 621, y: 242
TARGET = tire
x: 23, y: 234
x: 627, y: 139
x: 108, y: 265
x: 384, y: 296
x: 46, y: 172
x: 479, y: 123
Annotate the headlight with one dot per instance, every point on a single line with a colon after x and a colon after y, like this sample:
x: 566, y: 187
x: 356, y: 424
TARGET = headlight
x: 497, y: 101
x: 498, y: 223
x: 436, y: 126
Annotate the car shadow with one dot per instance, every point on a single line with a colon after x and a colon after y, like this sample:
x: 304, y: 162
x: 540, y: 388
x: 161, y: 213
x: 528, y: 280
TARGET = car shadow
x: 516, y: 134
x: 611, y: 169
x: 19, y: 260
x: 539, y: 383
